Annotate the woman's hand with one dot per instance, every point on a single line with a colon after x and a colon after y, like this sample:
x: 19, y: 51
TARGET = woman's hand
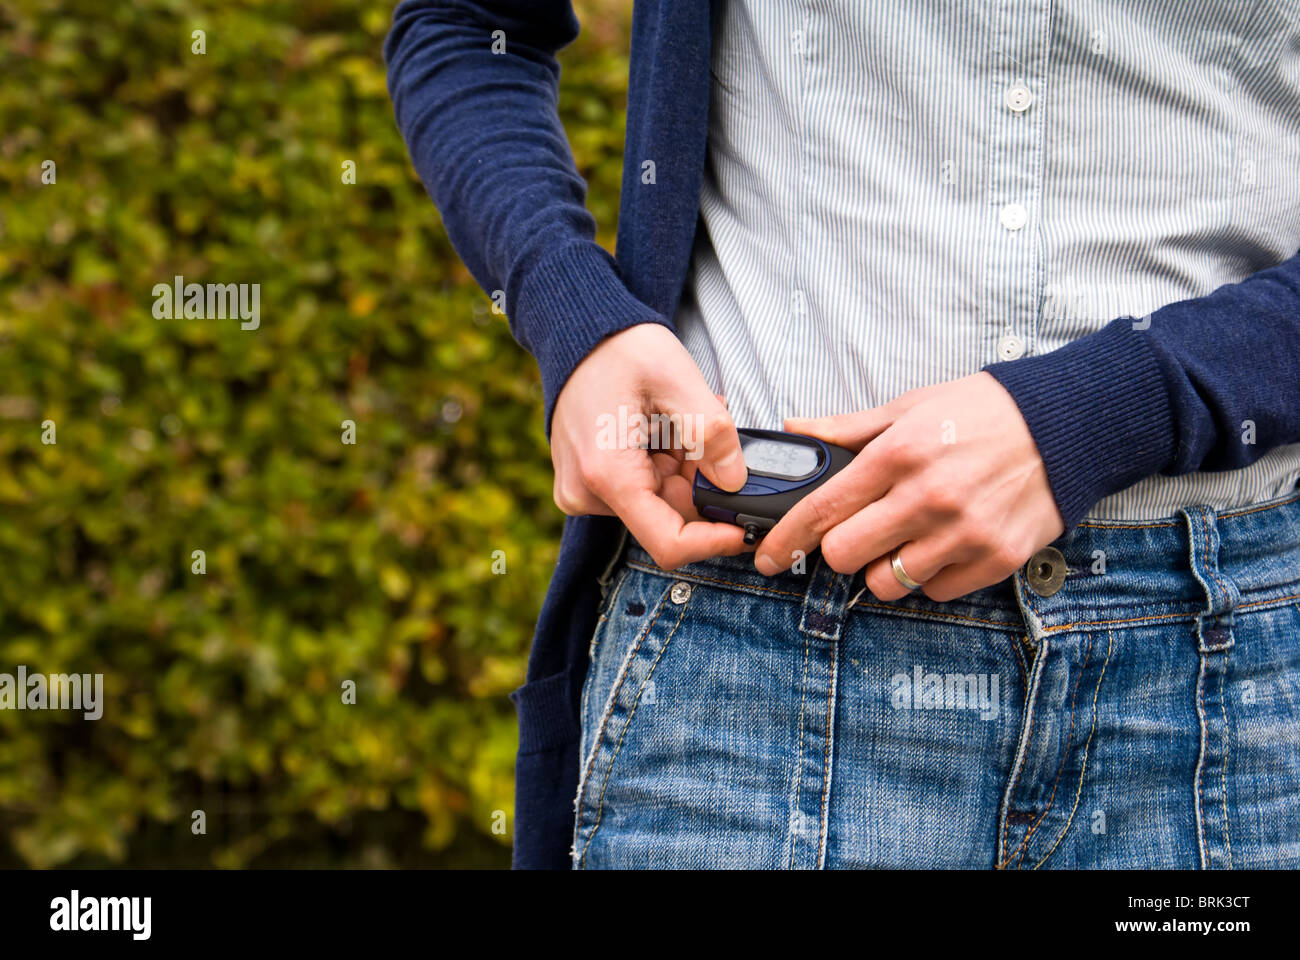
x: 644, y: 372
x: 950, y: 472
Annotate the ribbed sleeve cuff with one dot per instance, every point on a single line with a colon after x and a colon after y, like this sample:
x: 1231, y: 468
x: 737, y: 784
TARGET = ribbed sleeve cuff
x: 1099, y: 411
x: 573, y: 299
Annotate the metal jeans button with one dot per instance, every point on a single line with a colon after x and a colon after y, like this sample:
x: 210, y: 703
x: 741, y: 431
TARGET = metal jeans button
x: 681, y: 592
x: 1046, y: 571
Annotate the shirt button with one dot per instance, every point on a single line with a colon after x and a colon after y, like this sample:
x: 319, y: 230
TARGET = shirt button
x: 1011, y: 347
x: 1045, y: 572
x: 1018, y: 98
x: 1013, y: 216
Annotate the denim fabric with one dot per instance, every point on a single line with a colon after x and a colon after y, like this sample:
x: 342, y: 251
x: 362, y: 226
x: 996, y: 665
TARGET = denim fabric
x: 1147, y: 714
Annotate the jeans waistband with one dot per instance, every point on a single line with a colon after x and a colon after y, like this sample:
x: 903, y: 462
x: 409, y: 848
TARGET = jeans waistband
x: 1197, y: 563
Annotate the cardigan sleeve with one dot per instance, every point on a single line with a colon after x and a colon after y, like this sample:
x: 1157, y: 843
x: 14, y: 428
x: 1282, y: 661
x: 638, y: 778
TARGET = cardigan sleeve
x: 1210, y: 383
x: 475, y: 89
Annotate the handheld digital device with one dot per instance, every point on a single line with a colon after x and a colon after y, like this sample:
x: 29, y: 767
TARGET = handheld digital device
x: 783, y: 469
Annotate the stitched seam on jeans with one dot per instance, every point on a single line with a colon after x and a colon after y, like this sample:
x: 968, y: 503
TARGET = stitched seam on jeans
x: 1191, y: 615
x: 1032, y: 706
x: 1065, y: 756
x: 1018, y: 652
x: 608, y: 604
x: 1212, y: 574
x: 660, y: 571
x: 609, y: 769
x: 798, y: 762
x: 900, y: 611
x: 1200, y: 764
x: 1275, y: 600
x: 599, y: 738
x: 1083, y: 770
x: 1223, y: 767
x: 619, y: 579
x: 1223, y: 762
x: 908, y: 611
x: 826, y: 760
x: 591, y: 649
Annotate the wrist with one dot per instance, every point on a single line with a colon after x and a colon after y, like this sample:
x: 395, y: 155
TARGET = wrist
x: 1099, y: 412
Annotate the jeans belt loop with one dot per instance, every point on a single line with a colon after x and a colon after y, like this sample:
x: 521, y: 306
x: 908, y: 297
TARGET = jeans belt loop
x: 826, y: 601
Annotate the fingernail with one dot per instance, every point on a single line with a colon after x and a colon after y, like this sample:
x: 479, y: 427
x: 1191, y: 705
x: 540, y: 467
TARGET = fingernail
x: 765, y: 565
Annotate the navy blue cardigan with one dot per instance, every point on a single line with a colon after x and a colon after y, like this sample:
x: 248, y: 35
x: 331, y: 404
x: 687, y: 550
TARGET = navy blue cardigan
x: 485, y: 136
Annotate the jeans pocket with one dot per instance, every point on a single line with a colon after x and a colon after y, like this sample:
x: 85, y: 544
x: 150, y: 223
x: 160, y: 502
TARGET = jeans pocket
x: 594, y: 651
x: 619, y: 690
x: 1258, y: 747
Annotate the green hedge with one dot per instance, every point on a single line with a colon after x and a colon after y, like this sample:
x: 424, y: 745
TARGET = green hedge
x: 325, y: 562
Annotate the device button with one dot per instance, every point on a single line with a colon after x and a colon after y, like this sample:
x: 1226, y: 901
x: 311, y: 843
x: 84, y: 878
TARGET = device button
x: 754, y: 526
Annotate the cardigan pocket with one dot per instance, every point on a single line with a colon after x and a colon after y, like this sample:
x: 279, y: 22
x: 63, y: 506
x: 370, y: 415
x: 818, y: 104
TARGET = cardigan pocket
x: 545, y: 773
x: 545, y: 720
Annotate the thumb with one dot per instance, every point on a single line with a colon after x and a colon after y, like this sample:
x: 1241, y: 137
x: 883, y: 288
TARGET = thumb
x: 851, y: 430
x: 708, y: 433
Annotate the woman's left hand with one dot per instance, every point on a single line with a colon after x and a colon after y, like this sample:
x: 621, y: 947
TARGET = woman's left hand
x: 950, y: 472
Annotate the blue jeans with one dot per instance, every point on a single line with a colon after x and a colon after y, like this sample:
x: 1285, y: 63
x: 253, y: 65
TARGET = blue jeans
x: 1142, y: 712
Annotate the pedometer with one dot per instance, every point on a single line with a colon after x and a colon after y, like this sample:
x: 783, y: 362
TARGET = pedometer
x: 783, y: 469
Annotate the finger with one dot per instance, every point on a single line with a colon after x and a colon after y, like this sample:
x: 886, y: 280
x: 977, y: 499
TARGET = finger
x: 568, y: 489
x: 870, y: 533
x: 676, y: 492
x: 577, y: 500
x: 659, y: 526
x: 667, y: 439
x: 960, y: 579
x: 903, y: 514
x: 851, y: 430
x: 709, y: 438
x: 854, y: 430
x: 673, y: 541
x: 922, y: 559
x: 801, y: 530
x: 666, y: 465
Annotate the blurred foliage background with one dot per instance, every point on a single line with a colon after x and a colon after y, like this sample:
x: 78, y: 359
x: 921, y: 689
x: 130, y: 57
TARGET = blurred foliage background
x: 325, y: 562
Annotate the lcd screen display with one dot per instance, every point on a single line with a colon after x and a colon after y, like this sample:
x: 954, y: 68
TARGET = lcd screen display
x: 788, y: 460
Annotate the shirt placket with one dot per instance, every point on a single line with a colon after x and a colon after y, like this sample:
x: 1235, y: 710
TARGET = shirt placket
x: 1015, y: 103
x: 799, y: 347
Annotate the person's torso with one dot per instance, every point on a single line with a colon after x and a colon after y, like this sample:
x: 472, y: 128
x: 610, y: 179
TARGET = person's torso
x: 897, y: 194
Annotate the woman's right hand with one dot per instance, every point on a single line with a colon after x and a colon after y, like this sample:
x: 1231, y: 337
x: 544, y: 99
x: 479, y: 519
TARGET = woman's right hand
x: 603, y: 467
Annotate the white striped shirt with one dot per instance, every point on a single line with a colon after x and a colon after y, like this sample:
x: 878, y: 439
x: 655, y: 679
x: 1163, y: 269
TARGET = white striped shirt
x: 897, y: 193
